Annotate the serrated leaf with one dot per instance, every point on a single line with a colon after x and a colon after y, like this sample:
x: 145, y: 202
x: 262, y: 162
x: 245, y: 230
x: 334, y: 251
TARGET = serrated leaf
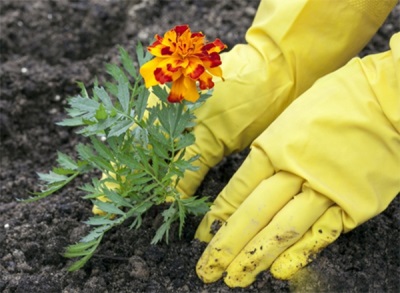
x: 79, y: 264
x: 196, y: 206
x: 102, y: 149
x: 108, y: 207
x: 92, y: 191
x: 97, y: 221
x: 96, y: 233
x: 102, y: 164
x: 123, y: 95
x: 128, y: 160
x: 116, y: 73
x: 62, y: 171
x: 81, y: 246
x: 112, y: 88
x: 51, y: 187
x: 169, y: 216
x: 149, y: 187
x: 185, y: 140
x: 141, y: 103
x: 142, y: 180
x: 101, y: 113
x: 72, y: 122
x: 84, y: 104
x: 83, y: 90
x: 161, y: 92
x: 81, y: 249
x: 85, y: 152
x: 104, y: 97
x: 66, y: 161
x: 120, y: 128
x: 161, y: 151
x: 182, y: 216
x: 100, y: 127
x: 52, y: 177
x: 142, y: 55
x: 127, y: 62
x: 116, y: 198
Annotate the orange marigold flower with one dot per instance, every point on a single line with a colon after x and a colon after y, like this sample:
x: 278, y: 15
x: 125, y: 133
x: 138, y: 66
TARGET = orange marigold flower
x: 183, y: 58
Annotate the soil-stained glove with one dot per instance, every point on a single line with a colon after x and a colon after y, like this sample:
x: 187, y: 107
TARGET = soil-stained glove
x: 330, y: 162
x: 290, y: 45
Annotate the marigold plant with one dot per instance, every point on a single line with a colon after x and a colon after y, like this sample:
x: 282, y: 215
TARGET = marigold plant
x: 139, y: 147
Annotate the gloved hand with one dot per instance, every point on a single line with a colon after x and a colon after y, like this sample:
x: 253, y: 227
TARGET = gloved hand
x: 329, y: 163
x: 290, y: 45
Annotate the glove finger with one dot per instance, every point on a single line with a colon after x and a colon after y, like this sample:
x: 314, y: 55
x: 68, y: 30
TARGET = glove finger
x: 252, y: 216
x: 253, y: 171
x: 287, y: 227
x: 325, y: 231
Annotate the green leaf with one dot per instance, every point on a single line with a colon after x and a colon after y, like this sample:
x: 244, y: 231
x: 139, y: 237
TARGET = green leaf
x: 116, y: 198
x: 196, y: 206
x: 96, y: 233
x: 101, y: 113
x: 169, y: 216
x: 81, y: 246
x: 103, y: 164
x: 182, y: 216
x: 66, y: 161
x: 72, y: 122
x: 85, y: 152
x: 142, y: 180
x: 112, y: 88
x: 143, y: 56
x: 83, y: 90
x: 123, y: 95
x: 52, y: 177
x: 93, y: 191
x: 185, y: 140
x: 104, y: 97
x: 79, y: 264
x: 161, y: 92
x: 83, y: 105
x: 148, y: 187
x: 141, y: 103
x: 117, y: 73
x: 108, y: 207
x: 51, y: 186
x: 102, y: 149
x: 127, y: 62
x: 120, y: 128
x: 62, y: 171
x: 100, y: 127
x: 97, y: 221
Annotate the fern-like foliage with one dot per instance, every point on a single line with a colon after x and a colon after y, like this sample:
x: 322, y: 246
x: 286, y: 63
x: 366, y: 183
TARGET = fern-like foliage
x: 139, y: 149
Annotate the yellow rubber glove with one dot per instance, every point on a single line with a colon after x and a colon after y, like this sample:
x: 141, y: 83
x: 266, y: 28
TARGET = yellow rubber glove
x: 290, y: 45
x: 329, y: 163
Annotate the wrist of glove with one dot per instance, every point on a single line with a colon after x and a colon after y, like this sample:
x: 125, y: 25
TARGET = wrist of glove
x: 330, y: 162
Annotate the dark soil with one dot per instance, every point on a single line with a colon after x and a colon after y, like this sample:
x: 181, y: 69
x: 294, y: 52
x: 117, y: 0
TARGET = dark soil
x: 48, y: 45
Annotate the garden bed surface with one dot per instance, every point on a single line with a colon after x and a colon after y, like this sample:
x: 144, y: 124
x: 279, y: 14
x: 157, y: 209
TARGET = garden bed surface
x: 48, y: 45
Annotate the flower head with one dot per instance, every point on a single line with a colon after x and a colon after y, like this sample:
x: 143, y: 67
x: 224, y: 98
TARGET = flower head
x: 185, y: 59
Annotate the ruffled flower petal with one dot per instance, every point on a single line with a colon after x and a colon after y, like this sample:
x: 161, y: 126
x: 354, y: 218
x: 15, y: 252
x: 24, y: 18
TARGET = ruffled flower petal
x: 183, y: 88
x: 184, y: 59
x: 147, y: 72
x: 205, y: 81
